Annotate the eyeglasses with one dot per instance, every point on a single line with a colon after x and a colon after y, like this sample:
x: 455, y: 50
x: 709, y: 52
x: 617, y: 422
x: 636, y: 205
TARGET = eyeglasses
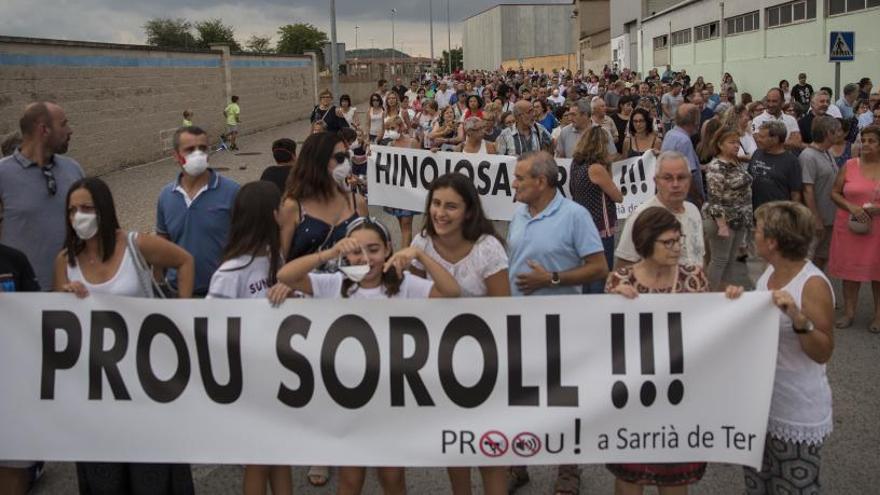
x: 51, y: 184
x: 671, y: 243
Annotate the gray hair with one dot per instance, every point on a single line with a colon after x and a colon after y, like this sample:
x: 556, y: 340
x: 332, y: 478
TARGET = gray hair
x: 543, y: 165
x: 824, y: 127
x: 471, y: 122
x: 584, y: 107
x: 669, y: 156
x: 595, y: 102
x: 776, y: 130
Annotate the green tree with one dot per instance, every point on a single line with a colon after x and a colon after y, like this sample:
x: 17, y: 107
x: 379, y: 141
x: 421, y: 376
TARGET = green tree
x: 457, y: 59
x: 214, y: 31
x: 170, y: 33
x: 297, y: 38
x: 259, y: 44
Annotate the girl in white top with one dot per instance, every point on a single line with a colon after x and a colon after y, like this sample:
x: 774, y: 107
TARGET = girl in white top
x: 800, y: 409
x: 250, y: 261
x: 347, y: 110
x: 97, y: 259
x: 367, y: 245
x: 376, y: 115
x: 458, y: 236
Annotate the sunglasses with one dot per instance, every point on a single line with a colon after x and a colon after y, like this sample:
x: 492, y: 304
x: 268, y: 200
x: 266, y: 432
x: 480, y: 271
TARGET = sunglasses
x: 340, y: 157
x: 51, y: 184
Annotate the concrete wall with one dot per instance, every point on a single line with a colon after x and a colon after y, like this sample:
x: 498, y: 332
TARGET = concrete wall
x: 530, y: 31
x: 547, y: 63
x: 622, y: 12
x: 481, y: 40
x: 759, y: 59
x: 124, y: 102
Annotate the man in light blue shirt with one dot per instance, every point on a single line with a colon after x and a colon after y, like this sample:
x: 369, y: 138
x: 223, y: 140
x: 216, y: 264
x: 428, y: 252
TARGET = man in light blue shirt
x: 553, y: 243
x: 687, y: 123
x: 848, y: 100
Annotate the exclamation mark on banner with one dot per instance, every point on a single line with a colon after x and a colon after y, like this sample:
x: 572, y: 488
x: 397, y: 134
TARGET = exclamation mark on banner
x: 577, y: 436
x: 632, y: 178
x: 619, y: 393
x: 623, y: 188
x: 676, y: 358
x: 642, y: 176
x: 646, y: 346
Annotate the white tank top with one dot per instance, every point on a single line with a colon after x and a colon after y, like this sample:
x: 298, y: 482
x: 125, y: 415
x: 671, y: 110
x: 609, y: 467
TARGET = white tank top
x: 800, y: 410
x: 125, y: 281
x: 377, y: 122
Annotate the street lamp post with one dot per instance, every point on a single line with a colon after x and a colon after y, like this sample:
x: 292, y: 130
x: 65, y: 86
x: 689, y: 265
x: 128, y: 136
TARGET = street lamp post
x: 448, y: 39
x: 431, y: 29
x: 393, y: 12
x: 334, y: 65
x: 356, y: 27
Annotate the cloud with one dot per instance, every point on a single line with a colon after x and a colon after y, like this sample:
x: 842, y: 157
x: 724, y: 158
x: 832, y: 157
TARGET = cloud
x: 121, y: 21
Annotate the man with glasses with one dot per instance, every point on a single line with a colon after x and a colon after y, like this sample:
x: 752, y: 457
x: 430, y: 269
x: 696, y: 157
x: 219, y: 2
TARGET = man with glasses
x: 673, y: 180
x: 34, y: 182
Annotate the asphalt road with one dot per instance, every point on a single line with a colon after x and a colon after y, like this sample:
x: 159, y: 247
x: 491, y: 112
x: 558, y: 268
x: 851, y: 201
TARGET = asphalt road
x: 851, y: 457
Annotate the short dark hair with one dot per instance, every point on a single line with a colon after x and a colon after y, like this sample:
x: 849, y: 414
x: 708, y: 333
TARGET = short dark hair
x: 190, y: 129
x: 649, y: 226
x: 283, y: 150
x: 35, y: 114
x: 234, y: 98
x: 345, y: 98
x: 108, y: 223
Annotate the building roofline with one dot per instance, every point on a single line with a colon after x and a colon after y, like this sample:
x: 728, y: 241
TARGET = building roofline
x: 497, y: 5
x: 667, y: 10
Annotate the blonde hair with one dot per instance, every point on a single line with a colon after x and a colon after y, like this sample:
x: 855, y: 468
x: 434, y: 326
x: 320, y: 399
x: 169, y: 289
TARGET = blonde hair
x: 592, y: 147
x: 790, y: 224
x: 395, y: 121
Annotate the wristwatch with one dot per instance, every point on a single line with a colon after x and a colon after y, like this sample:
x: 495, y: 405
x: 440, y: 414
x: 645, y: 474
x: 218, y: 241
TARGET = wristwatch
x: 554, y: 279
x: 807, y: 329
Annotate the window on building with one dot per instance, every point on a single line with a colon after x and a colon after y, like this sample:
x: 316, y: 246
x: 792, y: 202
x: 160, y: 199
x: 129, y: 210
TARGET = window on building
x: 794, y: 12
x: 661, y: 42
x: 742, y: 23
x: 682, y: 37
x: 706, y: 31
x: 844, y: 6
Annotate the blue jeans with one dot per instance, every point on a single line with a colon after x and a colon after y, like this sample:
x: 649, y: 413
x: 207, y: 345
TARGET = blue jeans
x: 598, y: 287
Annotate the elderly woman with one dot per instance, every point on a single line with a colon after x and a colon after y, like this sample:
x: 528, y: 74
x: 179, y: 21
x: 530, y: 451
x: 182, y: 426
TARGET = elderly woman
x: 855, y: 242
x: 658, y: 239
x: 800, y: 408
x: 474, y: 132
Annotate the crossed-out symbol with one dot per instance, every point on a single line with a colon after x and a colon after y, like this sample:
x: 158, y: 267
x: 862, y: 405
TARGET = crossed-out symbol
x: 493, y: 444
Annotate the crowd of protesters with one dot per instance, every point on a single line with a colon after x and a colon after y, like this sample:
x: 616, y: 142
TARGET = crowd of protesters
x: 785, y: 175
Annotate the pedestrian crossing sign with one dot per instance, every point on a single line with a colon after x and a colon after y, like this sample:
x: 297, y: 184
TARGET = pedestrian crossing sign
x: 843, y: 46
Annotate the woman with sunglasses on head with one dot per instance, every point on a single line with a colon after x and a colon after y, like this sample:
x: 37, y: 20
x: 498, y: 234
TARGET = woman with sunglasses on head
x: 251, y: 259
x: 376, y: 117
x: 374, y: 272
x: 458, y: 236
x: 641, y: 136
x: 100, y: 258
x: 658, y: 239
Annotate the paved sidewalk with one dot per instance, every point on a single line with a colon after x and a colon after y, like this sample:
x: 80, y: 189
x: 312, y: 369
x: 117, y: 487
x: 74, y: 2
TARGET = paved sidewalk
x: 851, y: 464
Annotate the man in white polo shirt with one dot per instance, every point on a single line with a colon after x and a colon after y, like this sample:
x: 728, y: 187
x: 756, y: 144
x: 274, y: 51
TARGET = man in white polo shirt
x: 773, y: 111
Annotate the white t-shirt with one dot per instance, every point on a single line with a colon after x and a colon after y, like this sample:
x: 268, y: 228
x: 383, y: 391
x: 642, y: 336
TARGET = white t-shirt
x: 692, y: 251
x: 329, y: 286
x: 834, y: 111
x: 241, y: 278
x: 791, y: 124
x: 486, y: 258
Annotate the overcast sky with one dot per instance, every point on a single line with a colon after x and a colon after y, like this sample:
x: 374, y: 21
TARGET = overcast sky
x: 121, y: 21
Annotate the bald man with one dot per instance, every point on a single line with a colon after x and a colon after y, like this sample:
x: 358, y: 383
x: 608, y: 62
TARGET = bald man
x: 34, y: 181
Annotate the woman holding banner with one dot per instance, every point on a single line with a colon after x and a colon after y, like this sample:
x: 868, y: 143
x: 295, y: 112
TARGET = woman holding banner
x: 458, y: 236
x: 100, y: 258
x: 658, y: 240
x: 800, y: 408
x: 593, y: 188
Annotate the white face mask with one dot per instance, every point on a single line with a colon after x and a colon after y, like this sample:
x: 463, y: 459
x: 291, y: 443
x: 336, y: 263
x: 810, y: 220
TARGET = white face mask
x: 392, y: 135
x: 355, y: 273
x: 85, y: 225
x: 341, y: 172
x: 196, y: 163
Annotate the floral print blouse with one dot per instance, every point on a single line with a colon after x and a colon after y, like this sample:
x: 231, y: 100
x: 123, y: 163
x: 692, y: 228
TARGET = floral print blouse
x: 730, y: 194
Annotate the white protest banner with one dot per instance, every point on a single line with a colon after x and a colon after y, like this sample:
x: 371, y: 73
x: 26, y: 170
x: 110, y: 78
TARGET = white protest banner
x: 399, y: 178
x: 533, y: 380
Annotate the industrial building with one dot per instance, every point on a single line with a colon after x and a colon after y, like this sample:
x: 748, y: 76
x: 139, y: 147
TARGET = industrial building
x: 759, y: 42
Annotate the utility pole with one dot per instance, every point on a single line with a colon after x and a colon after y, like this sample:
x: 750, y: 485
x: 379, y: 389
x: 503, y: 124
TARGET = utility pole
x: 393, y: 12
x: 431, y: 29
x: 334, y: 65
x: 356, y: 27
x: 449, y: 38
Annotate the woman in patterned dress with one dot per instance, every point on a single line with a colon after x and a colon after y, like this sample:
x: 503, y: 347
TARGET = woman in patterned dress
x: 658, y: 239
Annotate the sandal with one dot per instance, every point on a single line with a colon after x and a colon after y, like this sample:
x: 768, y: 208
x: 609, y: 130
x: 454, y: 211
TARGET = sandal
x: 517, y: 477
x: 568, y: 480
x: 318, y: 476
x: 844, y: 322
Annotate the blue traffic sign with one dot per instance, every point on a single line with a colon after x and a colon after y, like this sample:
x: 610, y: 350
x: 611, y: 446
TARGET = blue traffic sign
x: 842, y: 46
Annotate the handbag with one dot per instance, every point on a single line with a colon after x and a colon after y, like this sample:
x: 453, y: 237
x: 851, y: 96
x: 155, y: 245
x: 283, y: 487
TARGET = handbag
x: 149, y: 286
x: 857, y: 227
